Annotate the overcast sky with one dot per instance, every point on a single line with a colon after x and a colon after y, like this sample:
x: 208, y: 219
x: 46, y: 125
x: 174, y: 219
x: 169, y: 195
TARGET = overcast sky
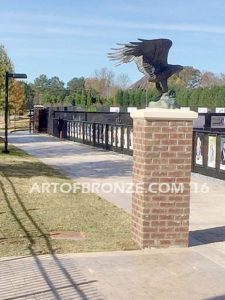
x: 71, y: 38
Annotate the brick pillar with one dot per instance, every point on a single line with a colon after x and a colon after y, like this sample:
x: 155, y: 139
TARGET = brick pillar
x: 161, y: 174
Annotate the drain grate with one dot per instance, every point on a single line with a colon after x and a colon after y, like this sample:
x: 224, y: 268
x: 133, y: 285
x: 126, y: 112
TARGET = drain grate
x: 67, y: 235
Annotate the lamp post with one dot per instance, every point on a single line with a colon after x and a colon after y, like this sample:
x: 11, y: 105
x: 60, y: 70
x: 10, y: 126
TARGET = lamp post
x: 7, y: 76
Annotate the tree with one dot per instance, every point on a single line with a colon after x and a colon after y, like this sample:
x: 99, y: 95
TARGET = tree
x: 131, y: 98
x: 189, y: 77
x: 5, y: 65
x: 75, y: 84
x: 29, y: 93
x: 83, y: 98
x: 105, y: 79
x: 17, y: 98
x: 183, y: 96
x: 119, y: 97
x: 41, y: 83
x: 220, y: 97
x: 40, y: 87
x: 143, y: 98
x: 126, y: 101
x: 137, y: 97
x: 49, y: 90
x: 56, y: 88
x: 89, y: 98
x: 122, y: 81
x: 194, y: 98
x: 209, y: 79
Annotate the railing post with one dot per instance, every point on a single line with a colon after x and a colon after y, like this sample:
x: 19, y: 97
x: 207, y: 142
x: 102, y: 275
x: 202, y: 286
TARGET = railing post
x: 83, y: 135
x: 121, y: 138
x: 73, y: 128
x: 64, y: 131
x: 98, y: 135
x: 128, y: 138
x: 94, y: 134
x: 68, y: 130
x: 116, y: 138
x: 106, y: 136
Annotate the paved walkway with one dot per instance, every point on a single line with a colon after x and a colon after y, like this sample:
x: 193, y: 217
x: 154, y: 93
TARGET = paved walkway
x: 178, y: 274
x: 194, y: 273
x: 83, y: 163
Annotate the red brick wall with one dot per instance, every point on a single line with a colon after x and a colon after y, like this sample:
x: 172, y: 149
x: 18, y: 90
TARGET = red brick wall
x: 162, y: 158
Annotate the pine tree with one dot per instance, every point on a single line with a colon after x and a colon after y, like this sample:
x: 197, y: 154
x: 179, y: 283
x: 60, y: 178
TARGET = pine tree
x: 83, y: 98
x: 126, y: 98
x: 119, y: 98
x: 89, y: 99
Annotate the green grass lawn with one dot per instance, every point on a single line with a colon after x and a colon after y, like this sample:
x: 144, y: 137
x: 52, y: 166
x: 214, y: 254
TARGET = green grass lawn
x: 22, y: 123
x: 26, y: 219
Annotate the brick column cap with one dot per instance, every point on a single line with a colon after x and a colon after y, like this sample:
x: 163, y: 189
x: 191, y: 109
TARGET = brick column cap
x: 164, y: 114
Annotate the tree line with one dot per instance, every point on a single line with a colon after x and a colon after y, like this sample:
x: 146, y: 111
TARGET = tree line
x: 193, y: 88
x: 17, y: 89
x: 88, y: 93
x: 210, y: 97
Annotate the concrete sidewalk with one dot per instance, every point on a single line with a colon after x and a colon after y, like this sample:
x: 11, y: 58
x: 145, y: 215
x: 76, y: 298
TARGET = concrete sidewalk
x: 178, y: 274
x: 83, y: 163
x: 194, y: 273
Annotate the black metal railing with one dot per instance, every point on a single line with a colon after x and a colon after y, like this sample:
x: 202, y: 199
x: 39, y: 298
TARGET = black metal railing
x: 114, y: 137
x: 209, y: 153
x: 98, y: 117
x: 208, y: 146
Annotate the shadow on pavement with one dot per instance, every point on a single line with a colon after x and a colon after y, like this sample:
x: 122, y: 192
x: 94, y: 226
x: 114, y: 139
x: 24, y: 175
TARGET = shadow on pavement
x: 81, y: 288
x: 222, y: 297
x: 207, y: 236
x: 98, y: 169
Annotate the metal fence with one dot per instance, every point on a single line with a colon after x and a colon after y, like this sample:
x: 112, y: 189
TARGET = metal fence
x: 208, y: 145
x: 99, y: 117
x: 209, y: 153
x: 92, y: 117
x: 114, y: 137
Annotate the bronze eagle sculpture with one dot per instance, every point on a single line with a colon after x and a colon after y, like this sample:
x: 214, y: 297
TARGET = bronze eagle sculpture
x: 151, y: 59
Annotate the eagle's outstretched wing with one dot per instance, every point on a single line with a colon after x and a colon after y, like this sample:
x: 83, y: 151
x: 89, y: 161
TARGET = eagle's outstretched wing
x: 148, y: 54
